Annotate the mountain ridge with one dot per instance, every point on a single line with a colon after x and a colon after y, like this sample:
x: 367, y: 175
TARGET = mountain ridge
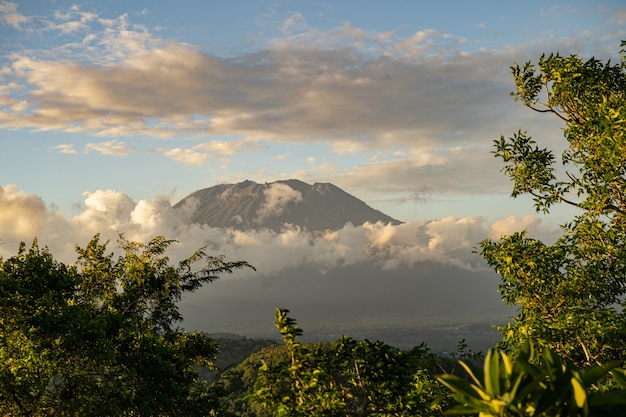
x: 250, y: 205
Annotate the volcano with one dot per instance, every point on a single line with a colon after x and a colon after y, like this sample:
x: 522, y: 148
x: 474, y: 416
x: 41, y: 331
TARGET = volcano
x: 248, y: 205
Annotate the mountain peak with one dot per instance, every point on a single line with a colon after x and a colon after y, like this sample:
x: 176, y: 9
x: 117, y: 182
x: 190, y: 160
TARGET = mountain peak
x: 249, y: 205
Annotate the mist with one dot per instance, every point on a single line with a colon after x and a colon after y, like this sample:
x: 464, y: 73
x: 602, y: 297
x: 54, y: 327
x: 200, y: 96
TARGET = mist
x: 359, y: 279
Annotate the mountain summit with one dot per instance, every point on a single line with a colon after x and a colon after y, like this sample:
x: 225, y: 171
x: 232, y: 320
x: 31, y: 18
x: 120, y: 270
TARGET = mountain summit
x: 248, y: 205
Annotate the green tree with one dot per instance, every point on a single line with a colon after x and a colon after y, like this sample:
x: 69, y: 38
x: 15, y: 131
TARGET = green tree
x: 238, y: 383
x: 99, y: 337
x: 570, y: 294
x: 346, y: 378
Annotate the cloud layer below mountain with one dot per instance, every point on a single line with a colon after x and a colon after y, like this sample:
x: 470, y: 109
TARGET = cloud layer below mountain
x: 372, y: 271
x: 447, y: 240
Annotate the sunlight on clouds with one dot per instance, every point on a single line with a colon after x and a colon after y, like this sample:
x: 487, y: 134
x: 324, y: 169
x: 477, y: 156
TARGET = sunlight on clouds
x: 411, y: 101
x: 447, y: 241
x: 202, y: 153
x: 223, y: 149
x: 512, y: 224
x: 65, y: 148
x: 186, y: 156
x: 348, y: 146
x: 21, y: 214
x: 112, y: 147
x: 105, y: 209
x: 468, y: 170
x: 121, y: 80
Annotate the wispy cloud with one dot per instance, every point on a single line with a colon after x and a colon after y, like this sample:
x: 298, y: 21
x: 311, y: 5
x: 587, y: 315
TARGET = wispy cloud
x: 111, y: 147
x: 202, y: 153
x: 65, y: 148
x: 187, y: 156
x: 620, y: 16
x: 277, y: 197
x: 10, y: 16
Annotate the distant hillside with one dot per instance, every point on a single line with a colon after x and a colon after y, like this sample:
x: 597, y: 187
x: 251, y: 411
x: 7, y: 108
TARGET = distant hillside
x: 248, y: 205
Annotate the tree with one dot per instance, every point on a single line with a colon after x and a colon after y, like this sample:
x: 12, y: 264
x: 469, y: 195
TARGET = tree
x: 570, y: 294
x: 99, y: 337
x: 346, y: 378
x: 237, y: 383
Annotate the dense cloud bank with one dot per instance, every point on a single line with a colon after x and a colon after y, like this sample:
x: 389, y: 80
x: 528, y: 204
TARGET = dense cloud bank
x: 448, y: 241
x: 374, y: 273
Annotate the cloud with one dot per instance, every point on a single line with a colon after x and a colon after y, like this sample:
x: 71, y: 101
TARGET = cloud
x: 530, y: 223
x: 10, y: 16
x: 421, y: 111
x: 72, y: 20
x: 277, y: 197
x: 66, y: 148
x: 111, y: 147
x: 204, y: 152
x: 106, y: 210
x: 620, y: 16
x: 21, y: 214
x: 447, y: 240
x: 223, y: 149
x: 372, y: 272
x: 186, y: 156
x: 358, y: 91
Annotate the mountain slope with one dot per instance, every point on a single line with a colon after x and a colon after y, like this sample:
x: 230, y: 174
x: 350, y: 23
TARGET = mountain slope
x: 248, y: 205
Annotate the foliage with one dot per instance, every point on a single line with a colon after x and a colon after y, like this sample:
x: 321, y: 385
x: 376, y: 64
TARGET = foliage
x: 98, y: 337
x: 347, y: 377
x: 570, y: 294
x: 234, y: 351
x: 237, y: 383
x: 517, y: 388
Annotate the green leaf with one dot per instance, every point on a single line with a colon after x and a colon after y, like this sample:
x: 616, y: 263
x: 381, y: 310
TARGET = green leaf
x: 580, y: 394
x: 492, y: 373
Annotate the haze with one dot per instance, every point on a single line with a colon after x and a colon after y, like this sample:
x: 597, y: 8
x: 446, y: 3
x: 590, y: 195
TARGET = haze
x: 111, y: 112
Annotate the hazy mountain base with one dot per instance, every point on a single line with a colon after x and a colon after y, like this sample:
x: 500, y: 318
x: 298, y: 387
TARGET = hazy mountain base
x: 430, y: 302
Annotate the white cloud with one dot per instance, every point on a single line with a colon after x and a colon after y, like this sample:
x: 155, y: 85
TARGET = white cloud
x: 224, y: 149
x: 186, y: 156
x: 21, y: 214
x: 10, y: 16
x: 509, y: 225
x: 531, y: 223
x: 105, y: 210
x: 421, y: 110
x: 133, y: 83
x: 409, y: 265
x: 202, y: 153
x: 277, y: 196
x: 66, y: 148
x: 111, y: 147
x: 448, y: 240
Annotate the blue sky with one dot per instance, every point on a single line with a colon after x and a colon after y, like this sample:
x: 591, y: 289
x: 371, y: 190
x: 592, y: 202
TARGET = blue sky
x: 395, y: 102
